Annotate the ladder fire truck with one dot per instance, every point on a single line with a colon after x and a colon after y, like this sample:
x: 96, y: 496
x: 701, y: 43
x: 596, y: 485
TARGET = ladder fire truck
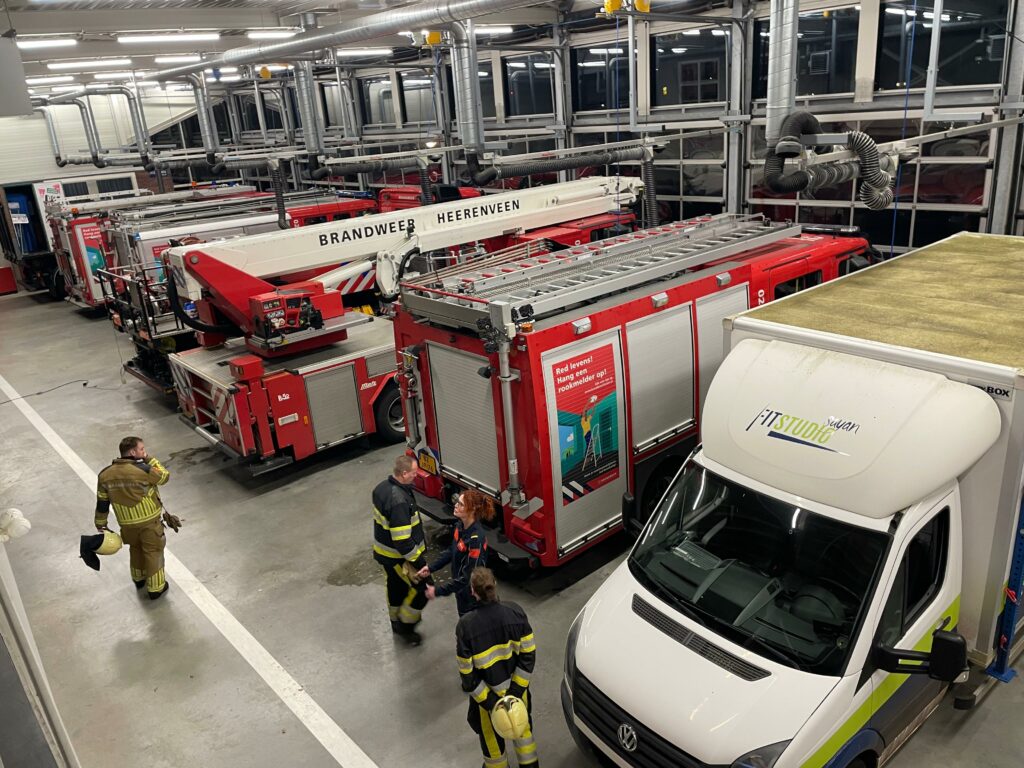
x: 80, y: 243
x: 568, y: 386
x: 134, y: 290
x: 308, y: 373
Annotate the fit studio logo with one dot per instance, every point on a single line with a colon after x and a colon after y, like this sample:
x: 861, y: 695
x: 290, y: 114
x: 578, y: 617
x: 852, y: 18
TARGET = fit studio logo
x: 795, y: 429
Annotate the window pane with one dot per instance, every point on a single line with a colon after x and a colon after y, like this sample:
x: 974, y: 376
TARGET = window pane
x: 688, y: 67
x: 957, y: 184
x: 703, y: 180
x: 378, y: 104
x: 600, y: 77
x: 877, y: 227
x: 418, y: 92
x: 971, y: 51
x: 485, y: 73
x: 926, y: 566
x: 972, y: 145
x: 826, y: 52
x: 932, y: 226
x: 122, y: 184
x: 528, y: 85
x: 818, y: 215
x: 666, y: 181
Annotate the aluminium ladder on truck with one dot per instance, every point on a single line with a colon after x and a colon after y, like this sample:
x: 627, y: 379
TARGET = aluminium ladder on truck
x: 506, y: 287
x: 504, y: 356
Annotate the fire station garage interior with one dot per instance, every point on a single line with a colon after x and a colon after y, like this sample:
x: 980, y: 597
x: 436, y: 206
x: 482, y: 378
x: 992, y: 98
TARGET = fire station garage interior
x: 511, y: 383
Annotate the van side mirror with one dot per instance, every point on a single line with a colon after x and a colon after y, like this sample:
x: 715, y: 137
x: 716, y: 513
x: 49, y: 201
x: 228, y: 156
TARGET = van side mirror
x: 946, y: 662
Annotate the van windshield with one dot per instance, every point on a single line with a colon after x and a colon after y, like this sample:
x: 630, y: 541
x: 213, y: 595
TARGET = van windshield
x: 786, y: 583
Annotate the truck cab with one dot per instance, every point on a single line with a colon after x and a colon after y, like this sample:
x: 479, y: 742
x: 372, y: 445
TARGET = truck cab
x: 795, y: 599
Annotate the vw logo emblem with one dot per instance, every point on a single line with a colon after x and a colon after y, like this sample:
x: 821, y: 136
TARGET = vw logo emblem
x: 627, y: 737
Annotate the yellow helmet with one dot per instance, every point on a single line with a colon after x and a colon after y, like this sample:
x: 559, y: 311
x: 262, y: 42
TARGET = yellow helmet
x: 111, y: 544
x: 510, y: 718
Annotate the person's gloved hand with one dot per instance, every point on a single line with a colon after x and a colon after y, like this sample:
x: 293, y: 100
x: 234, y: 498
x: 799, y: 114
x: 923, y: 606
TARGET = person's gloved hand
x: 172, y: 521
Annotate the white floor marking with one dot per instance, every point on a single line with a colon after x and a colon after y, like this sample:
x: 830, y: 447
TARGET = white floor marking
x: 338, y: 743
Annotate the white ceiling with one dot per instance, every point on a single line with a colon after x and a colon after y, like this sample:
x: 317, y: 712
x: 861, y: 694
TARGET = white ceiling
x: 94, y: 24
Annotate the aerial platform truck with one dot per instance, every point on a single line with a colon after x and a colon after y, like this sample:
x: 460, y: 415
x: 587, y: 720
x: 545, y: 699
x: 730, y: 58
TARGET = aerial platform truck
x: 134, y: 287
x: 81, y: 247
x: 568, y: 386
x: 284, y: 371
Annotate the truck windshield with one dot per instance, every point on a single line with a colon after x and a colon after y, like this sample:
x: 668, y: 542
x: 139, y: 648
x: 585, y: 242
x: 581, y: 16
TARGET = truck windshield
x: 786, y: 583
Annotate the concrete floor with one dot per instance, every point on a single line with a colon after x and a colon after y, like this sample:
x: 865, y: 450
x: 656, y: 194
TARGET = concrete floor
x: 287, y: 554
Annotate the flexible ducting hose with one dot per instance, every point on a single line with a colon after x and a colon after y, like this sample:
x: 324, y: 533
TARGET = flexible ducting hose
x: 650, y: 192
x: 369, y: 166
x: 876, y: 185
x: 191, y: 322
x: 515, y: 170
x: 278, y: 181
x: 426, y: 196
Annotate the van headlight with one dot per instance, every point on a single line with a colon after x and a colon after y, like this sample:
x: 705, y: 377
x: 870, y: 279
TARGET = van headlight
x: 570, y: 649
x: 765, y: 757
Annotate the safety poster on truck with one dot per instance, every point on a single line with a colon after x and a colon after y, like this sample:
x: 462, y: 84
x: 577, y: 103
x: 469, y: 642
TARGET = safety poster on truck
x: 588, y: 432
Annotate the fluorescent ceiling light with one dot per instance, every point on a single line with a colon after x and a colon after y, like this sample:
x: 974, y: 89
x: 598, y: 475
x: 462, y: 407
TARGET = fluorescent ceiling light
x: 222, y: 70
x: 174, y: 37
x: 719, y: 32
x: 224, y: 79
x: 492, y: 29
x: 900, y: 12
x: 94, y: 64
x: 517, y: 64
x: 272, y: 67
x: 764, y: 34
x: 271, y: 34
x: 691, y: 31
x: 484, y: 74
x: 118, y: 75
x: 930, y: 15
x: 605, y: 51
x: 678, y: 50
x: 186, y: 59
x: 593, y: 64
x: 50, y: 79
x: 543, y: 65
x: 60, y: 42
x: 65, y: 88
x: 415, y: 82
x: 356, y: 52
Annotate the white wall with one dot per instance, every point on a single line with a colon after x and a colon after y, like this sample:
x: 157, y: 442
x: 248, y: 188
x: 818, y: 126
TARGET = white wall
x: 29, y: 156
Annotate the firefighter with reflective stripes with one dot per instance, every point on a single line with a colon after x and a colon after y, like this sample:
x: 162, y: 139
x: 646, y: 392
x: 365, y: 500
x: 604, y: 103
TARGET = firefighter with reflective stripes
x: 398, y: 545
x: 129, y: 485
x: 468, y: 550
x: 496, y: 650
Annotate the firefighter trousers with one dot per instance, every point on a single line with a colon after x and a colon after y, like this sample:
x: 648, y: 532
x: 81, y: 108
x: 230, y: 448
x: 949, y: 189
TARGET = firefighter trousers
x: 405, y: 599
x: 146, y: 544
x: 493, y: 746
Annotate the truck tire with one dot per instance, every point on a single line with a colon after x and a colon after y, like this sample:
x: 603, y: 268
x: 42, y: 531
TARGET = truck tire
x: 388, y: 415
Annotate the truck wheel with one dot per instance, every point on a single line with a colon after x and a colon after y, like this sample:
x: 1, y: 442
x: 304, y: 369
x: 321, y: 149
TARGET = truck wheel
x: 57, y: 287
x: 388, y: 415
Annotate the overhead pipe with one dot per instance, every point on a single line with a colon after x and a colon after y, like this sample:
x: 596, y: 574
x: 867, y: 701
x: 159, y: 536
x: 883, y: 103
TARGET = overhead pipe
x: 60, y: 160
x: 260, y: 116
x: 465, y: 69
x: 309, y: 116
x: 784, y: 17
x: 528, y: 168
x: 367, y: 166
x: 207, y: 127
x: 431, y: 15
x: 350, y: 125
x: 138, y: 118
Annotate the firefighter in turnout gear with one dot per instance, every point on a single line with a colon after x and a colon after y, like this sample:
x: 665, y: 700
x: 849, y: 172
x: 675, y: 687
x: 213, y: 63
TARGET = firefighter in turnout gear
x: 468, y: 550
x: 129, y: 485
x: 398, y: 545
x: 496, y: 650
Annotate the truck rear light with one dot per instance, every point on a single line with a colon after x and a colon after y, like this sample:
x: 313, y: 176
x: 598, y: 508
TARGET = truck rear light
x: 526, y: 537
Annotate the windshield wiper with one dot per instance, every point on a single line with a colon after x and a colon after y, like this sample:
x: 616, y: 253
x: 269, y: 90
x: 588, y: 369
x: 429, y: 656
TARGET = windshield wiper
x: 765, y: 645
x: 667, y: 595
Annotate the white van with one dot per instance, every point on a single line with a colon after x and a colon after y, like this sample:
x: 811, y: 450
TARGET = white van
x: 827, y: 562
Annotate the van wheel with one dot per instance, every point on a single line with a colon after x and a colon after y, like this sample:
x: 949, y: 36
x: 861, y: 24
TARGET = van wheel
x: 860, y: 762
x: 388, y: 416
x: 655, y: 488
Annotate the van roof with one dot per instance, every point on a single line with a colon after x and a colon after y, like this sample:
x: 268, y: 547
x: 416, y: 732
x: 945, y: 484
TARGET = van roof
x: 962, y: 297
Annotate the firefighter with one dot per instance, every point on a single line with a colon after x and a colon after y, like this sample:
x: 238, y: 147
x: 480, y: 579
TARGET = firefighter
x: 468, y: 550
x: 495, y: 649
x: 398, y: 545
x: 129, y: 484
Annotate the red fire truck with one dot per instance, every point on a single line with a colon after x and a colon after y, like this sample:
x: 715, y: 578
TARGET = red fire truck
x: 568, y: 386
x: 309, y: 373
